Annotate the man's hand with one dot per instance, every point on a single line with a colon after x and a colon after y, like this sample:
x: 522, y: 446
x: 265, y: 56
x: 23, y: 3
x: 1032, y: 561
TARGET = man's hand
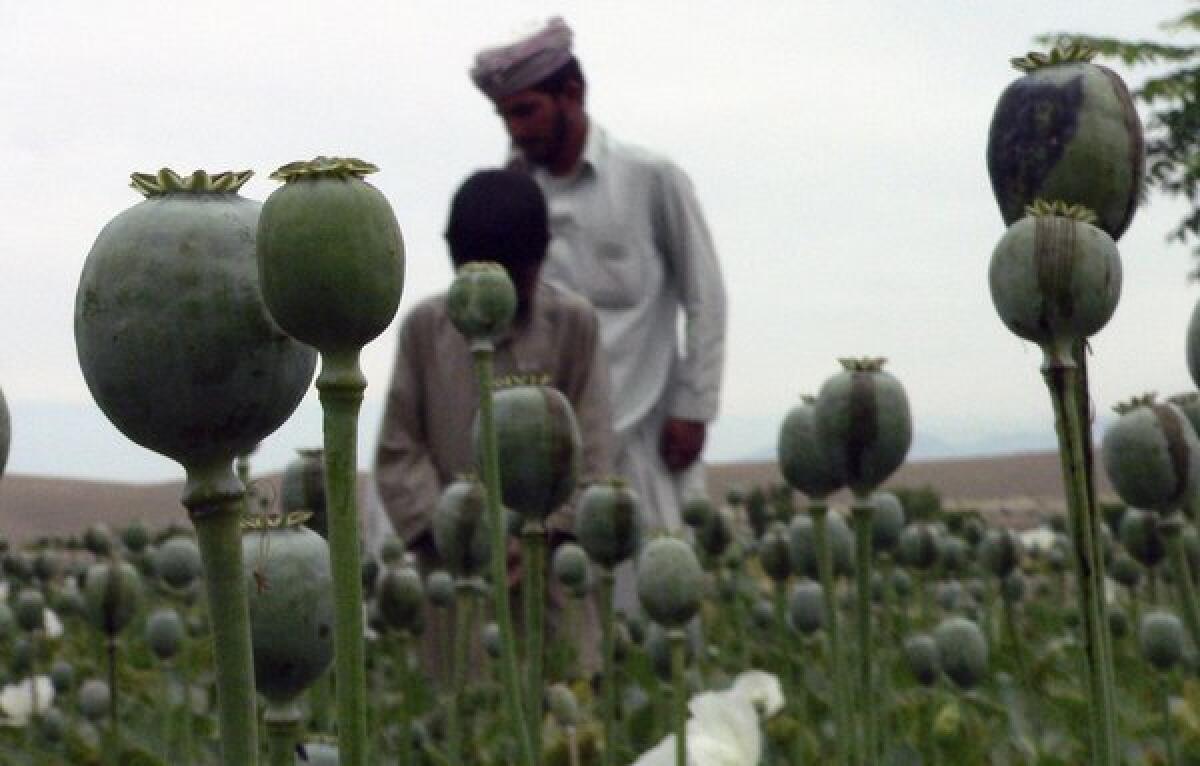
x: 680, y: 443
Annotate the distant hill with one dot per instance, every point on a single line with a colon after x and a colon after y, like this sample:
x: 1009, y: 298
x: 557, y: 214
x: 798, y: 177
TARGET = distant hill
x: 1017, y: 488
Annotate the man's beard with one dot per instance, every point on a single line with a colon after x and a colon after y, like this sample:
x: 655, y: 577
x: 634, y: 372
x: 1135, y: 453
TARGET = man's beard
x: 544, y: 151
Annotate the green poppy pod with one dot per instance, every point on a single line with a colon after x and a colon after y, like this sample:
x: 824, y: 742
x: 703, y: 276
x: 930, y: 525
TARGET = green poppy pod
x: 165, y: 633
x: 493, y: 643
x: 1151, y: 455
x: 171, y: 331
x: 330, y: 255
x: 1055, y: 278
x: 1067, y: 129
x: 806, y: 607
x: 762, y: 614
x: 803, y: 545
x: 1193, y: 345
x: 289, y: 588
x: 561, y: 703
x: 460, y: 528
x: 952, y: 552
x: 715, y: 536
x: 5, y: 433
x: 670, y: 582
x: 569, y: 565
x: 902, y: 583
x: 439, y: 587
x: 607, y: 522
x: 864, y: 423
x: 392, y: 551
x: 177, y: 561
x: 1118, y: 621
x: 21, y: 661
x: 1189, y: 405
x: 950, y: 596
x: 1000, y: 552
x: 973, y: 530
x: 401, y: 599
x: 918, y: 547
x: 962, y: 651
x: 482, y: 301
x: 1161, y: 640
x: 62, y: 675
x: 921, y: 653
x: 135, y: 537
x: 111, y: 599
x: 775, y: 553
x: 803, y: 459
x: 697, y: 510
x: 302, y: 488
x: 46, y: 565
x: 1143, y: 540
x: 1012, y: 588
x: 887, y: 522
x: 1125, y: 570
x: 540, y: 448
x: 94, y: 699
x: 97, y: 539
x: 30, y: 609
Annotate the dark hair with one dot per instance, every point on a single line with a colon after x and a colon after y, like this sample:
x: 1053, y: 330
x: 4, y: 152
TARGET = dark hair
x: 498, y: 215
x: 556, y: 82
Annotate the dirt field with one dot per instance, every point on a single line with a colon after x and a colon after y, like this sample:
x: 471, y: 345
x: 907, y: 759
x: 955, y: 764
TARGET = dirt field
x: 1017, y: 489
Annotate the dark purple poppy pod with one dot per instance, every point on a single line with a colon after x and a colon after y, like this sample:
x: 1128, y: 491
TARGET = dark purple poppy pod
x: 482, y: 301
x: 716, y: 535
x: 460, y: 527
x: 670, y: 582
x: 540, y: 448
x: 697, y: 510
x: 921, y: 651
x: 1067, y: 129
x: 806, y: 607
x: 173, y: 337
x: 864, y: 423
x: 1151, y: 455
x: 607, y: 524
x: 918, y: 547
x: 330, y: 255
x: 1125, y: 570
x: 803, y: 459
x: 401, y: 598
x: 1055, y: 278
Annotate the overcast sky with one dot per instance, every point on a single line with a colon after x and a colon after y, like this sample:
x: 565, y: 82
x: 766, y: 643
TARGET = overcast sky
x: 837, y: 148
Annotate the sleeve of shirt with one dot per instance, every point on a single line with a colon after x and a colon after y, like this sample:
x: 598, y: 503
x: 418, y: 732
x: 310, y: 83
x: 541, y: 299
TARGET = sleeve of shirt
x: 404, y: 471
x: 588, y: 388
x: 684, y: 239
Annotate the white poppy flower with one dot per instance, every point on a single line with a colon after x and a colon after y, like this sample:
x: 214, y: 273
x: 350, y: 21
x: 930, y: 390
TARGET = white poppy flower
x: 16, y: 700
x: 724, y: 729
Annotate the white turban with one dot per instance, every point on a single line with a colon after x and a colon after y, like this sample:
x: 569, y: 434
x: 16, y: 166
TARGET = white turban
x: 510, y: 68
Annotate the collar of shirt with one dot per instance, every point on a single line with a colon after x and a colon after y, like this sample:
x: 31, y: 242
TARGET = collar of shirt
x: 595, y: 150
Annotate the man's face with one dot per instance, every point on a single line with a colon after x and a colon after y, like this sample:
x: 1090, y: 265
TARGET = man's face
x: 536, y: 122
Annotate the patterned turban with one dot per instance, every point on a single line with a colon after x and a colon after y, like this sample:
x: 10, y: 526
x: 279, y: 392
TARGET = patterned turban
x: 507, y: 69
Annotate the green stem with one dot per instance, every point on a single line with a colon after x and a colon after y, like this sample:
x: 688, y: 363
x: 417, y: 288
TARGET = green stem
x: 1164, y: 701
x: 1061, y: 381
x: 1152, y: 584
x: 340, y: 385
x: 318, y: 702
x: 282, y: 723
x: 463, y: 630
x: 215, y: 505
x: 609, y: 691
x: 114, y: 718
x: 533, y: 543
x: 677, y: 639
x: 1172, y: 531
x: 842, y: 731
x: 406, y: 683
x: 1014, y: 636
x: 482, y: 353
x: 862, y: 512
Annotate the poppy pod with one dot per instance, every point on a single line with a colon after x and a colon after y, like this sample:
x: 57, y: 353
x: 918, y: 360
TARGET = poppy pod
x: 806, y: 607
x: 539, y: 447
x: 402, y: 599
x: 112, y: 592
x: 1055, y: 278
x: 482, y: 301
x: 330, y: 255
x: 302, y: 488
x: 1143, y: 540
x: 774, y: 553
x: 607, y: 523
x: 289, y: 585
x: 864, y: 423
x: 172, y: 335
x: 1161, y: 640
x: 887, y: 522
x: 670, y: 582
x: 962, y: 651
x: 1066, y: 129
x: 1151, y: 455
x: 459, y: 527
x: 803, y: 459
